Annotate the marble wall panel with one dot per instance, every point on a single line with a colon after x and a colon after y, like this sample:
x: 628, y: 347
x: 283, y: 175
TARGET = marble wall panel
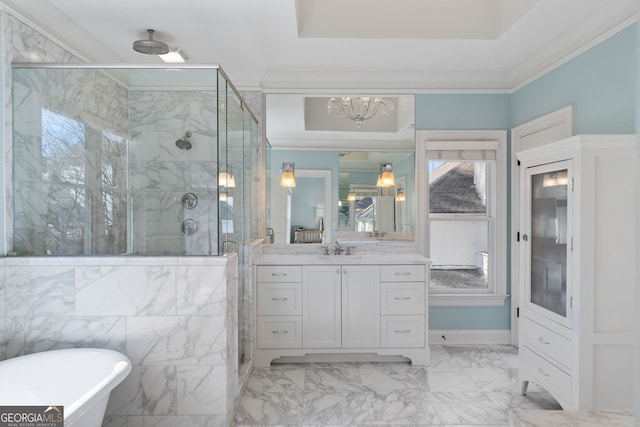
x: 176, y: 340
x: 34, y: 291
x: 202, y: 390
x: 199, y: 292
x: 148, y: 390
x: 33, y: 334
x: 125, y: 290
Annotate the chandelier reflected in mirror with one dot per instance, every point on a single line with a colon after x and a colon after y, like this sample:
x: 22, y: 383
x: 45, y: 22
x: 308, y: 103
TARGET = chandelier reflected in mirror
x: 359, y: 109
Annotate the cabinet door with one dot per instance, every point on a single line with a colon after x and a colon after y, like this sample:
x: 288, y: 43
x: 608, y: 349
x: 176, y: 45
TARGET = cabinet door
x: 547, y: 240
x: 321, y: 306
x: 361, y: 306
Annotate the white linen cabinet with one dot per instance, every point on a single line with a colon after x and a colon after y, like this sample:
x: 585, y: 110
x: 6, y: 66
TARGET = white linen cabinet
x: 577, y: 270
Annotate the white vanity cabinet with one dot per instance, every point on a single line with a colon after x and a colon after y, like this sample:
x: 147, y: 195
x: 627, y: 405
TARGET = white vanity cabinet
x: 361, y: 306
x: 403, y: 309
x: 324, y: 311
x: 577, y: 267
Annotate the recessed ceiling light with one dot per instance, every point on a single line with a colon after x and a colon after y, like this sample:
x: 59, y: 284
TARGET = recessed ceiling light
x: 176, y: 55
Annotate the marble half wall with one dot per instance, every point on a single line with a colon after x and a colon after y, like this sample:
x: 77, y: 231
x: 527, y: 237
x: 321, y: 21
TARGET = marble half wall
x: 174, y: 317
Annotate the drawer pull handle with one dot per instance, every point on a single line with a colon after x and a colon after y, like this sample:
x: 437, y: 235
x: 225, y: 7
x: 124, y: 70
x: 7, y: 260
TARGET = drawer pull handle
x: 402, y: 331
x: 279, y: 274
x: 402, y: 298
x: 541, y: 371
x: 279, y: 332
x: 403, y: 273
x: 543, y: 341
x: 279, y: 299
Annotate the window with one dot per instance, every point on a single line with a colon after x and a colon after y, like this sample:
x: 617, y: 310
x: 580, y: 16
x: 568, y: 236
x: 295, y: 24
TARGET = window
x: 463, y: 230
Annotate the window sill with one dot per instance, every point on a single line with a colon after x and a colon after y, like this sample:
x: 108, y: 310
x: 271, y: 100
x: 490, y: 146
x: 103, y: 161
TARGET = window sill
x: 467, y: 300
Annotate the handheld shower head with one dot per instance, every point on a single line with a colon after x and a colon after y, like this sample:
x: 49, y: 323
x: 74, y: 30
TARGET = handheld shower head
x: 184, y: 143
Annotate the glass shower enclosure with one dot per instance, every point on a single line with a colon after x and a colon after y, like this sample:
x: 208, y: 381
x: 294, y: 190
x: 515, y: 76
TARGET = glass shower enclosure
x: 116, y: 159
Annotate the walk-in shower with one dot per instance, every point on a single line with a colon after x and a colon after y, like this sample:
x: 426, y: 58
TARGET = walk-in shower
x: 98, y: 169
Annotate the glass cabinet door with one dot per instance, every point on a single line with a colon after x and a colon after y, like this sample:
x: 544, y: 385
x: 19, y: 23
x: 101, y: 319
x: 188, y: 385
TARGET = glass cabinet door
x: 548, y: 239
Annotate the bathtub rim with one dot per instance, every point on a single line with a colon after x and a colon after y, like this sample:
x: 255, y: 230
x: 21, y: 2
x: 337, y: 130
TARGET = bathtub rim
x: 121, y: 368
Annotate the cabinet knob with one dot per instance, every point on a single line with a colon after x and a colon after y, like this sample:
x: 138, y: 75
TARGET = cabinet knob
x: 543, y: 341
x: 402, y: 331
x: 402, y: 298
x: 525, y: 237
x: 279, y: 299
x: 279, y: 332
x: 542, y: 372
x: 279, y: 274
x: 403, y: 273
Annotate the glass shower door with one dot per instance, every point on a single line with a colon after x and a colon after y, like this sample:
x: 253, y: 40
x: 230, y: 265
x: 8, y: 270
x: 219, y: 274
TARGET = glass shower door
x: 548, y: 240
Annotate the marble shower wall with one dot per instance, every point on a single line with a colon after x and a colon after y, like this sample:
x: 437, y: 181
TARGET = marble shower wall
x: 174, y: 317
x: 161, y: 173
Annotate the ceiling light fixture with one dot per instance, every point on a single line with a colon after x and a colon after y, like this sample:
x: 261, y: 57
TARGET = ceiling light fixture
x: 150, y: 46
x: 176, y: 55
x: 359, y: 109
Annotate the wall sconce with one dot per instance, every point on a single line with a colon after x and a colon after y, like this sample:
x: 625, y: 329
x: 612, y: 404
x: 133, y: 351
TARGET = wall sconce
x: 223, y: 195
x: 400, y: 196
x: 351, y: 197
x: 288, y: 179
x: 226, y: 179
x: 386, y: 178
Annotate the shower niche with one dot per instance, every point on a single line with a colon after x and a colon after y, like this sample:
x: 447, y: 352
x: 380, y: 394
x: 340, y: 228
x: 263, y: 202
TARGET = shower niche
x: 111, y: 160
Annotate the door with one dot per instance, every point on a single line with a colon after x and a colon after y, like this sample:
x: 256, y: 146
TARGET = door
x: 321, y: 314
x: 361, y: 306
x: 547, y: 241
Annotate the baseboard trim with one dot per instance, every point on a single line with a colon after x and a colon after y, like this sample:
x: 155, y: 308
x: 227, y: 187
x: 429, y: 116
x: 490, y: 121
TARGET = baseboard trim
x: 470, y: 336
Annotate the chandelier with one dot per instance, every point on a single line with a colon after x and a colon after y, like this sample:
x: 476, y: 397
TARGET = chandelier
x: 359, y: 109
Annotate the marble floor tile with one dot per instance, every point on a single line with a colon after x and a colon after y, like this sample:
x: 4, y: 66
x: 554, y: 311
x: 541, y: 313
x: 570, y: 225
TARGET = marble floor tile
x: 468, y: 408
x: 463, y: 386
x: 393, y: 376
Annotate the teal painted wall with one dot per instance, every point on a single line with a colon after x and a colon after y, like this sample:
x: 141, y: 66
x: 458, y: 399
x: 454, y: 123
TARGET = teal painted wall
x: 602, y: 84
x: 465, y: 111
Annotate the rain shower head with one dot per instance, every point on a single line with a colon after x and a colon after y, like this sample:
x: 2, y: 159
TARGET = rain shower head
x: 151, y: 46
x: 184, y: 143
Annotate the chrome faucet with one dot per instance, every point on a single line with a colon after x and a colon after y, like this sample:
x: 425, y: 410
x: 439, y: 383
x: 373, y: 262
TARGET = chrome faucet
x: 337, y: 250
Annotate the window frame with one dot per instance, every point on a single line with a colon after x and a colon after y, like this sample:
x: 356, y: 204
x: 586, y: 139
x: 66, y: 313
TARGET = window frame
x: 494, y: 140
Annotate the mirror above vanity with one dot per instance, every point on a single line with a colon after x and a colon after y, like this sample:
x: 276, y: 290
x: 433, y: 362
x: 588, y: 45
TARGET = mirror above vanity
x: 337, y: 164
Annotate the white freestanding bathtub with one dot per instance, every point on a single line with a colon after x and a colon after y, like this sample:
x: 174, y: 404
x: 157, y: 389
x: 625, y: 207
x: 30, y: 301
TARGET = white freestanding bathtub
x: 80, y: 379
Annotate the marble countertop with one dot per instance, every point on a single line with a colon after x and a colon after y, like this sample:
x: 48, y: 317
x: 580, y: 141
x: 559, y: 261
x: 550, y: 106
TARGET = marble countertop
x: 367, y: 258
x: 542, y: 418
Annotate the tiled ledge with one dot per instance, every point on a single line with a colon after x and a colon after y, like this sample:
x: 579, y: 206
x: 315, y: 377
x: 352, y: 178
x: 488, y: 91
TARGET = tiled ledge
x: 540, y: 418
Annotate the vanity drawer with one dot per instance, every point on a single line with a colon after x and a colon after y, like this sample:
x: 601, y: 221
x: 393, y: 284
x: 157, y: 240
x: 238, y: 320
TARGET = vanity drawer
x: 284, y: 299
x: 402, y: 298
x: 279, y: 332
x: 402, y: 273
x: 547, y: 342
x: 279, y: 273
x: 547, y: 374
x: 402, y: 331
